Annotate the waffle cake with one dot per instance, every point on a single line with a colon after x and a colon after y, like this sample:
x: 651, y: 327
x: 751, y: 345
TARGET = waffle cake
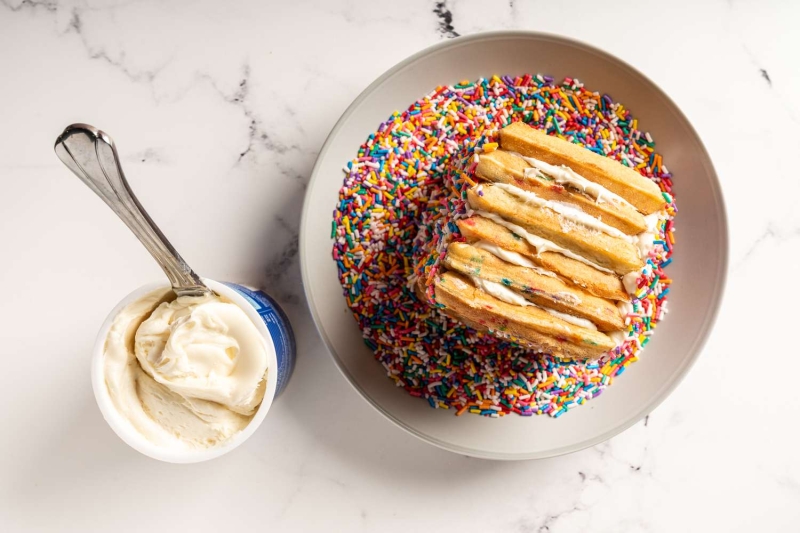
x: 550, y: 245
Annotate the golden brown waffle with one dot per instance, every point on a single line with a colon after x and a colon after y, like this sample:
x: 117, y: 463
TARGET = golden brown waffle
x: 610, y: 252
x: 543, y: 290
x: 530, y: 325
x: 554, y: 229
x: 501, y: 166
x: 601, y: 284
x: 626, y: 182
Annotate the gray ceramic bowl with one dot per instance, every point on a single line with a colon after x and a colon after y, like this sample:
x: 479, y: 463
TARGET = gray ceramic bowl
x: 698, y: 271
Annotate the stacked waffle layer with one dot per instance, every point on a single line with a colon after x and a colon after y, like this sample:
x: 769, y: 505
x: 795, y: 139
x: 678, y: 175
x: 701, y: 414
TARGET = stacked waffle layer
x: 552, y: 242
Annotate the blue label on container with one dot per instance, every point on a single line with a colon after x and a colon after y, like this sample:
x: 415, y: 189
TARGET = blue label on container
x: 279, y: 328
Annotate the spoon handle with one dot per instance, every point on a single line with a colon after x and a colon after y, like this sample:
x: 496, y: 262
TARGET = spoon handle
x: 91, y: 155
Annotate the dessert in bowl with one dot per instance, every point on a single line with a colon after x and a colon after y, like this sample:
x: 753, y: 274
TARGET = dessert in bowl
x: 417, y: 345
x: 531, y: 265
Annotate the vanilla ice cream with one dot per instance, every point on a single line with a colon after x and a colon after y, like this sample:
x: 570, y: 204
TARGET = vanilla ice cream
x: 186, y: 372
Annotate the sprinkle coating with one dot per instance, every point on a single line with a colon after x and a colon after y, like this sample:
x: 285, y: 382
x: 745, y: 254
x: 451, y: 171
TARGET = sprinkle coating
x: 393, y: 221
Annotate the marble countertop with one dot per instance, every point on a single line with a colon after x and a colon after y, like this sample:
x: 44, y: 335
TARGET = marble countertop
x: 219, y: 110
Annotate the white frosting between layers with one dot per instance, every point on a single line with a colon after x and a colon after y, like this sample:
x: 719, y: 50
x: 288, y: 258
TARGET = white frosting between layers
x: 625, y: 308
x: 643, y: 241
x: 619, y: 337
x: 568, y: 297
x: 520, y: 260
x: 565, y: 210
x: 500, y: 291
x: 506, y: 255
x: 582, y: 322
x: 541, y: 244
x: 512, y: 257
x: 629, y: 281
x: 564, y: 174
x: 503, y: 293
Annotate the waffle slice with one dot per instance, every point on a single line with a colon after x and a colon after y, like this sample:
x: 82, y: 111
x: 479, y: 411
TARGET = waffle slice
x: 501, y: 166
x: 531, y: 326
x: 593, y: 281
x: 643, y: 193
x: 608, y: 252
x: 544, y: 290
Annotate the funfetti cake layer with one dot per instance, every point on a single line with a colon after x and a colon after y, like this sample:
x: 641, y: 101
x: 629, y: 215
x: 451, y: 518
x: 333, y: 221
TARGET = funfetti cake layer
x: 404, y: 199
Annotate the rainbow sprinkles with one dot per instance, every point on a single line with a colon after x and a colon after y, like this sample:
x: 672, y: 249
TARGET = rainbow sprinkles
x: 392, y: 222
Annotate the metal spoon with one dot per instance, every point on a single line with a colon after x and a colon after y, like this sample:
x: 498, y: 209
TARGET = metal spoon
x: 92, y: 156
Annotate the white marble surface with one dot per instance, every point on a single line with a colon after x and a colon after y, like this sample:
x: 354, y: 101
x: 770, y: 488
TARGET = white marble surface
x: 231, y: 101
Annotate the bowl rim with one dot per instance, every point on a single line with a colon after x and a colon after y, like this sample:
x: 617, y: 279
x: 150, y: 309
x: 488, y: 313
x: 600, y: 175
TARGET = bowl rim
x: 709, y: 319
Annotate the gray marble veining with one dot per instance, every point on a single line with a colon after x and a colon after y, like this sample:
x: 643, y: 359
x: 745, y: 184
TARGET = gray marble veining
x: 243, y: 95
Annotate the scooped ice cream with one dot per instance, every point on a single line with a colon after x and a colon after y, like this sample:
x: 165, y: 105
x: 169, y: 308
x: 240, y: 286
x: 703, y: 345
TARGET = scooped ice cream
x: 186, y: 372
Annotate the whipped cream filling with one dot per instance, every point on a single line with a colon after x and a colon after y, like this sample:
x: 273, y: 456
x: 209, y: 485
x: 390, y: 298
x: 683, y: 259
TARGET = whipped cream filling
x: 568, y: 297
x: 500, y: 291
x: 619, y: 337
x: 644, y: 241
x: 512, y: 257
x: 503, y: 293
x: 541, y: 244
x: 563, y: 174
x: 582, y: 322
x: 629, y: 281
x: 565, y: 210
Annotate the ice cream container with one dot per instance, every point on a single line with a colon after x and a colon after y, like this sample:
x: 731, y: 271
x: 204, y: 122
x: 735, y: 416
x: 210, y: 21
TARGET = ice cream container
x: 271, y: 323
